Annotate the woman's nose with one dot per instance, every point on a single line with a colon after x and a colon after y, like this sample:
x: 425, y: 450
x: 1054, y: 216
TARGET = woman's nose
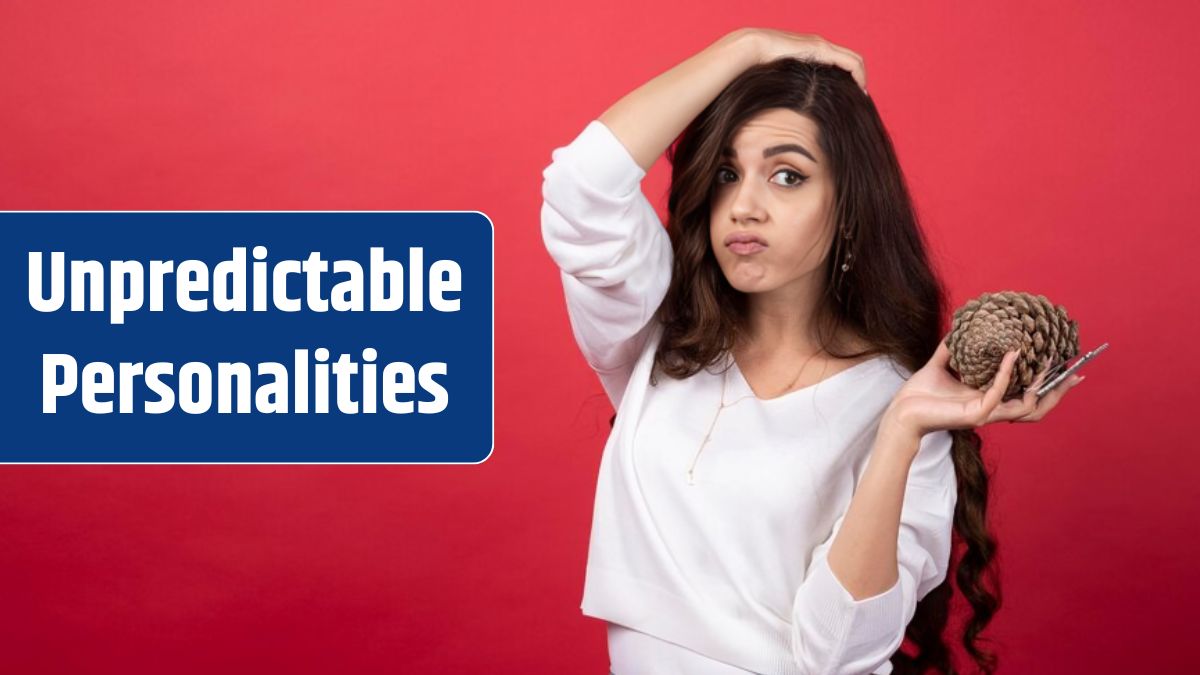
x: 747, y: 202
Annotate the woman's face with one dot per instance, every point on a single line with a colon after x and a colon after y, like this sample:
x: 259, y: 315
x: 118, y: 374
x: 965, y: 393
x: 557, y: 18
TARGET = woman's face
x: 774, y: 188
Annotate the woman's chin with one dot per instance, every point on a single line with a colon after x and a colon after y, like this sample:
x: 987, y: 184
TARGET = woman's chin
x: 748, y: 285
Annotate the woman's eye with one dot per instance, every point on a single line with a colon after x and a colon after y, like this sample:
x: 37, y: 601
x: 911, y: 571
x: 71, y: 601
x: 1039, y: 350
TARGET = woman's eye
x: 793, y: 179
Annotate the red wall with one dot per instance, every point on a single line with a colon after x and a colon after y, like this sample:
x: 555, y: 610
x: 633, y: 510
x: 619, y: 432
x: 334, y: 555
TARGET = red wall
x: 1049, y: 146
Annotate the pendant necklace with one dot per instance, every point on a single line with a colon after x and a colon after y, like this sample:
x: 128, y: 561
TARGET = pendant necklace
x: 691, y: 472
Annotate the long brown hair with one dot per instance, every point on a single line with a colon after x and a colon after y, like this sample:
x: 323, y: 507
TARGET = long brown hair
x: 890, y: 296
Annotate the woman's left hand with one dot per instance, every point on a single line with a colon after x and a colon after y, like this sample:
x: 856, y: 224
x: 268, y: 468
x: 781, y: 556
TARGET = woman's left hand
x: 933, y: 398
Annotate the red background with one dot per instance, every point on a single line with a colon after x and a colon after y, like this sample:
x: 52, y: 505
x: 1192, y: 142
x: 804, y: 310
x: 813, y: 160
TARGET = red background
x: 1049, y: 146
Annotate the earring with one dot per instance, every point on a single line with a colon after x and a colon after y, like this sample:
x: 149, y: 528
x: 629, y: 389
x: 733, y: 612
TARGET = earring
x: 846, y: 236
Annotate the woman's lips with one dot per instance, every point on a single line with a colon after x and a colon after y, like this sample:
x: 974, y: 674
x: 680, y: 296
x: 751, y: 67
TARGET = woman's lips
x: 746, y: 247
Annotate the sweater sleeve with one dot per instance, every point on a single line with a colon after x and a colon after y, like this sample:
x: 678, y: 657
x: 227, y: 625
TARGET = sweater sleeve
x: 832, y: 633
x: 611, y: 249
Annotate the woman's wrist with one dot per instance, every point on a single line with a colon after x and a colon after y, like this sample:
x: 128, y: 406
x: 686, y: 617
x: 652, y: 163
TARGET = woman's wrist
x: 898, y: 429
x: 649, y: 118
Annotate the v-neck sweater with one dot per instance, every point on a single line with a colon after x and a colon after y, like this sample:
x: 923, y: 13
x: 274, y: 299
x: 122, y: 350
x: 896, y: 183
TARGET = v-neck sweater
x: 733, y: 566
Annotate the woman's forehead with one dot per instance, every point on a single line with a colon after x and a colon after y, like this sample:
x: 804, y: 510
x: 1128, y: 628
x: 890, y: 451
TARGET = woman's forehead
x: 773, y: 128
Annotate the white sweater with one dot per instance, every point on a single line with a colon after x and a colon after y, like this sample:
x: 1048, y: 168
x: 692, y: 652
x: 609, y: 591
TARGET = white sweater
x: 734, y: 566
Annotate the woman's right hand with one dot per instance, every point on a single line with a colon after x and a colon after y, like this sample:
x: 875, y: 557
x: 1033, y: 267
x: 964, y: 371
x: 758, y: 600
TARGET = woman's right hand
x: 649, y: 118
x: 773, y: 44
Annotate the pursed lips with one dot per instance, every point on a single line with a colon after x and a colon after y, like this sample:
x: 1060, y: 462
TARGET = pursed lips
x: 744, y: 238
x: 744, y: 243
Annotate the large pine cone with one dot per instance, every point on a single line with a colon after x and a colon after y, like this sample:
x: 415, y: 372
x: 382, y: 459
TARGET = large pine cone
x: 993, y: 324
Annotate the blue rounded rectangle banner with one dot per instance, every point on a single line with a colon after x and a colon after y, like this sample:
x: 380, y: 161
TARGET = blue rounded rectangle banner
x: 248, y: 337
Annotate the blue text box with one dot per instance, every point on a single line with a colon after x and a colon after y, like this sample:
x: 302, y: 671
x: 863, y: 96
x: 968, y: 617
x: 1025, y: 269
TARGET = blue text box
x: 460, y: 432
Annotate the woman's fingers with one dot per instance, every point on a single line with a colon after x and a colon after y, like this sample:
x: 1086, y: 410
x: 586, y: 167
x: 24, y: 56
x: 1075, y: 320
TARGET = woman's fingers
x: 1013, y: 410
x: 814, y: 46
x: 1030, y: 408
x: 1051, y: 399
x: 994, y: 394
x: 846, y: 59
x: 941, y: 355
x: 852, y: 62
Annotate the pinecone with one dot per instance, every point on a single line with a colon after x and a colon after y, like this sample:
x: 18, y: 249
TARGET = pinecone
x: 993, y: 324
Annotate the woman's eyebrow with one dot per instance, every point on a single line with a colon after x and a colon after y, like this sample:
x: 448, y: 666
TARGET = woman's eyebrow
x: 775, y: 150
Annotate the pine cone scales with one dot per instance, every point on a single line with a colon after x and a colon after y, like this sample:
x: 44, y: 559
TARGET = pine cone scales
x: 985, y: 328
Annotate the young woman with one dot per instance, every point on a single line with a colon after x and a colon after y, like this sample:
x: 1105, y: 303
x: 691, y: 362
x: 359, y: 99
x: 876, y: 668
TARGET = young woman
x: 790, y: 453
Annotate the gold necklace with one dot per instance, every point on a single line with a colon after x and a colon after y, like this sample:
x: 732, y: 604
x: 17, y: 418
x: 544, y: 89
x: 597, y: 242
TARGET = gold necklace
x: 691, y: 472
